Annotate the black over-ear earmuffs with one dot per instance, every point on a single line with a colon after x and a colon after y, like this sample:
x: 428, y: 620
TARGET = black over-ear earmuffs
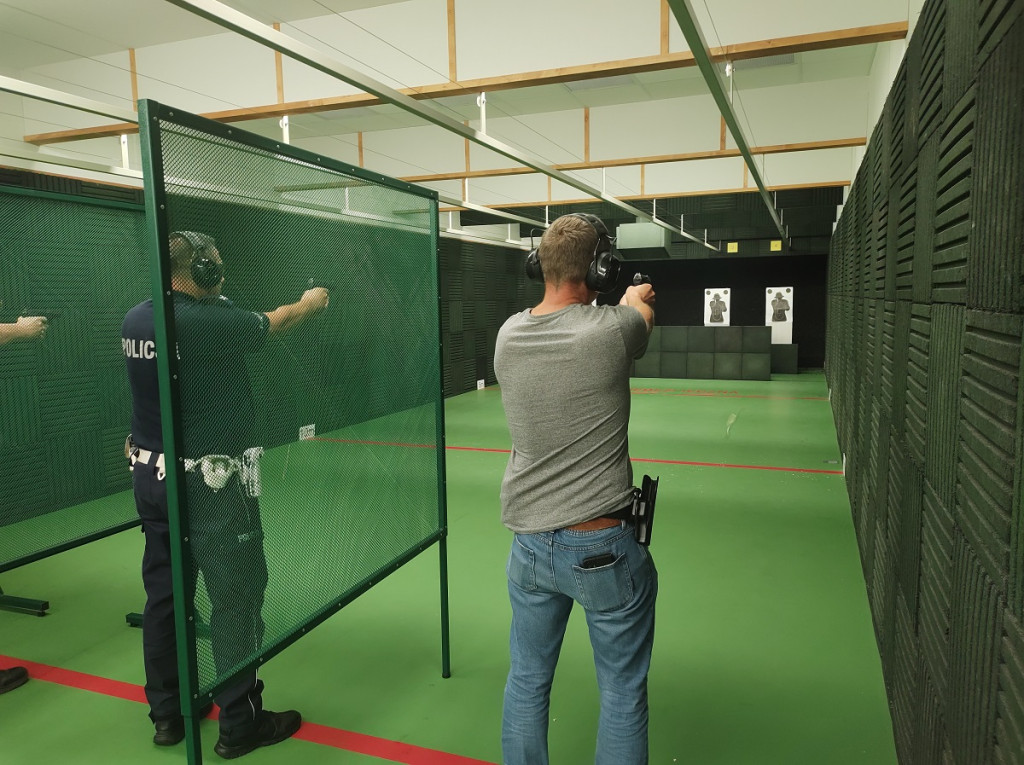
x: 206, y: 272
x: 603, y: 274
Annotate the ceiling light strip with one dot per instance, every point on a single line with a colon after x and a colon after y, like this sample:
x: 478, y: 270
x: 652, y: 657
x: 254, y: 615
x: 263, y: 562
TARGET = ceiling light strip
x: 61, y: 161
x: 42, y: 93
x: 456, y: 202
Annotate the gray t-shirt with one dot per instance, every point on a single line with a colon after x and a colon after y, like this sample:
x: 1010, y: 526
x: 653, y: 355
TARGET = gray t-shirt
x: 564, y: 380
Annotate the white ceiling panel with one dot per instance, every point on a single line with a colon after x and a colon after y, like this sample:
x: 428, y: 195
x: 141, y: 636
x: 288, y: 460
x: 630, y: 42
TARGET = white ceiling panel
x: 82, y: 47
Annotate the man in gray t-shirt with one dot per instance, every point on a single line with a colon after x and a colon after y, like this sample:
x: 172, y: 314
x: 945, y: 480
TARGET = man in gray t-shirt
x: 563, y: 367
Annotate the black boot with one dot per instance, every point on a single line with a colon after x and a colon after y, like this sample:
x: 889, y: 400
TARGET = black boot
x: 12, y: 678
x: 274, y: 728
x: 172, y: 729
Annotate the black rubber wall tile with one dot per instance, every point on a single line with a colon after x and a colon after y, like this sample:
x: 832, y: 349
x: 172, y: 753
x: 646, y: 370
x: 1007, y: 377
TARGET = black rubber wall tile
x: 906, y: 681
x: 976, y: 631
x: 948, y: 323
x: 916, y: 412
x: 900, y: 352
x: 929, y: 745
x: 896, y: 106
x: 648, y: 366
x: 1016, y: 572
x: 675, y: 339
x: 953, y: 222
x: 674, y: 365
x: 757, y: 339
x: 988, y: 419
x: 905, y: 222
x: 756, y: 366
x: 888, y: 354
x: 728, y: 339
x: 937, y: 534
x: 997, y: 242
x: 1009, y: 745
x: 994, y: 19
x: 728, y: 366
x: 931, y: 30
x: 960, y: 63
x: 654, y: 339
x: 871, y: 352
x: 700, y: 340
x: 924, y: 234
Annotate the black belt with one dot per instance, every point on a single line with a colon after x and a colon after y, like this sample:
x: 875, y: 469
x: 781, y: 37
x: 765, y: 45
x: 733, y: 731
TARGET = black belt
x: 625, y: 514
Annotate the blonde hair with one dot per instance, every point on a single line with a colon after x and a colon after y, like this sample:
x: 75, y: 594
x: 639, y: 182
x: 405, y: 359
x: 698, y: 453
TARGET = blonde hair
x: 567, y: 250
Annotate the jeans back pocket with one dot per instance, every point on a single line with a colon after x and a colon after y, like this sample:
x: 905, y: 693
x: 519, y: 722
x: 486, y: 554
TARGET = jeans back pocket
x: 606, y: 588
x: 521, y: 568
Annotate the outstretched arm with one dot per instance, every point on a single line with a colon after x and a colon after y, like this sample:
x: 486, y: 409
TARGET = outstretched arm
x: 286, y: 317
x: 641, y: 297
x: 25, y: 328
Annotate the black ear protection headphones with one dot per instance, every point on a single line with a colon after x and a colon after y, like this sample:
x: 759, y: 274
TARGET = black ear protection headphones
x: 603, y: 274
x: 206, y: 272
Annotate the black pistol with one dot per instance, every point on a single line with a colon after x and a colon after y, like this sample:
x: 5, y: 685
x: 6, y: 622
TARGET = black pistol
x: 315, y: 282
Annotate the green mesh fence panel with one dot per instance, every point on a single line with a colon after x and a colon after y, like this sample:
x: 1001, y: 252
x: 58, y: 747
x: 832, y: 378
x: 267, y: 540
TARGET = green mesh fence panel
x: 64, y: 402
x: 346, y: 407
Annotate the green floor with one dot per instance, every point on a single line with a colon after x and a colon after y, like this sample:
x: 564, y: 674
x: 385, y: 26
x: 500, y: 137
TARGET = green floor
x: 764, y: 651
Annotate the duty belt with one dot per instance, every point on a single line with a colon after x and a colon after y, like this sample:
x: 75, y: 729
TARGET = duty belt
x: 217, y: 470
x: 146, y: 457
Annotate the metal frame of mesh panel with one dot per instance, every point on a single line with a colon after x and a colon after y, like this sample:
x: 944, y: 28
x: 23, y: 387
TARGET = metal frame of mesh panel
x: 309, y: 464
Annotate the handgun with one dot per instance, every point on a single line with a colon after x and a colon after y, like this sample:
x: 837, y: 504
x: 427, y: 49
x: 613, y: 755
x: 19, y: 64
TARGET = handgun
x: 314, y: 283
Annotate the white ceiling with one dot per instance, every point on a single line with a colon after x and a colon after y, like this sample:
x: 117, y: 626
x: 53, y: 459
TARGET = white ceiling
x: 35, y: 35
x: 37, y: 32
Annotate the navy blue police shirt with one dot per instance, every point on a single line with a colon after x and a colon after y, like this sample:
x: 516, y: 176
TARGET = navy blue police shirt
x: 218, y: 410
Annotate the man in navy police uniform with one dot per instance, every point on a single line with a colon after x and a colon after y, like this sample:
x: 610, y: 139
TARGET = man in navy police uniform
x: 222, y: 486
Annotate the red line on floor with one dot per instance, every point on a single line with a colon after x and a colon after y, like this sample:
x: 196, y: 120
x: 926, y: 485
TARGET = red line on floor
x: 633, y: 459
x: 79, y: 680
x: 477, y: 449
x: 684, y: 462
x: 369, y: 443
x: 381, y: 748
x: 742, y: 467
x: 720, y: 394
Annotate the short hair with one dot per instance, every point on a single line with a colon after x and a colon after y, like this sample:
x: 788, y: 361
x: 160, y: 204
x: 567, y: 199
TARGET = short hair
x: 183, y: 246
x: 567, y: 250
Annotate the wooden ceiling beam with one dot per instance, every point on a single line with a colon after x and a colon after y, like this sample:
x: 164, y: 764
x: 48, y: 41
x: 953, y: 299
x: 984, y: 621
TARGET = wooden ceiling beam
x: 640, y: 198
x: 797, y: 44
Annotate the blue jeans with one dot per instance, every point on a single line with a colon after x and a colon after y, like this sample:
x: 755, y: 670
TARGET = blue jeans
x: 544, y: 578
